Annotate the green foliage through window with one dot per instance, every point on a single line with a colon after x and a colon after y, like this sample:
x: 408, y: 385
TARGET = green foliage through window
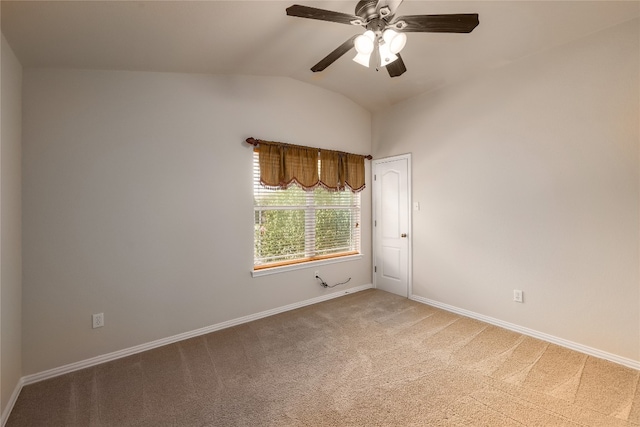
x: 294, y: 225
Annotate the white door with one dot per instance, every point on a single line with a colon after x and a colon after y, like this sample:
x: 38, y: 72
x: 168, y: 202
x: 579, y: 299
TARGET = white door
x: 392, y: 224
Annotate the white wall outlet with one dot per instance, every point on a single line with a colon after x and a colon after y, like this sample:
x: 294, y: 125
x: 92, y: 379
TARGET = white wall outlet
x: 518, y: 295
x: 98, y: 320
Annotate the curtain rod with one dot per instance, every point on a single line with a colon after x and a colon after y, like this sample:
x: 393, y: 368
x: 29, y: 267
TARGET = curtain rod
x: 256, y: 142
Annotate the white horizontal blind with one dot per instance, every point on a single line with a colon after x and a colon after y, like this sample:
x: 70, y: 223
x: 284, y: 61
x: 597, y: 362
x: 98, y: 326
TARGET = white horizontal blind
x: 293, y: 225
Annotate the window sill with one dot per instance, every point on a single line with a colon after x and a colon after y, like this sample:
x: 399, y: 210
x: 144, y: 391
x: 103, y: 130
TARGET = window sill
x: 303, y: 265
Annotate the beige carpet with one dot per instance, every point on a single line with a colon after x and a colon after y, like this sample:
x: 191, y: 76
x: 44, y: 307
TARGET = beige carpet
x: 367, y: 359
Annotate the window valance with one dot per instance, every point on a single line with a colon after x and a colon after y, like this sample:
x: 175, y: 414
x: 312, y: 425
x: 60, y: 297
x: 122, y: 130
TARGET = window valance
x: 282, y: 165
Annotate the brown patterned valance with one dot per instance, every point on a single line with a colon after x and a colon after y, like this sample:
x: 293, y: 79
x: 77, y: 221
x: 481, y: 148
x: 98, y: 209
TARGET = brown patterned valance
x: 282, y: 165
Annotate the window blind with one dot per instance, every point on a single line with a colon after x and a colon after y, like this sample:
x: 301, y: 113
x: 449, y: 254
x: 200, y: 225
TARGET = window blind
x: 293, y: 225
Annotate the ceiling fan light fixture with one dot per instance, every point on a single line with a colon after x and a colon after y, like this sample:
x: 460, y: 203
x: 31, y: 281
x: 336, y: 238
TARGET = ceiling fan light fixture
x: 364, y: 45
x: 364, y: 42
x: 363, y: 59
x: 386, y: 56
x: 395, y: 40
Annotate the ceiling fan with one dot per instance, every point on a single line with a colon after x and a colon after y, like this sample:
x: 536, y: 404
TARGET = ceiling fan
x: 384, y: 30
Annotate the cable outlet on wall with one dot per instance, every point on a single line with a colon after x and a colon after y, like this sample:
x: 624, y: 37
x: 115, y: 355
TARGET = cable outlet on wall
x: 518, y: 295
x: 316, y: 274
x: 98, y: 320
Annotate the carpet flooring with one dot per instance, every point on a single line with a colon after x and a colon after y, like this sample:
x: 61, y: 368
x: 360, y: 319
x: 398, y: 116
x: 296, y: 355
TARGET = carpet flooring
x: 365, y: 359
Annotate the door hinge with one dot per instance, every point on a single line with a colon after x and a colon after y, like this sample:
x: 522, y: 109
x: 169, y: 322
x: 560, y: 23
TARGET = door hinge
x: 375, y: 177
x: 375, y: 223
x: 375, y: 269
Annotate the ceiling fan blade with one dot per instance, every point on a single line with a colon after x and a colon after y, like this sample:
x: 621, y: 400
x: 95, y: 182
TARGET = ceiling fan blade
x: 397, y: 67
x: 333, y: 56
x: 454, y: 23
x: 321, y: 14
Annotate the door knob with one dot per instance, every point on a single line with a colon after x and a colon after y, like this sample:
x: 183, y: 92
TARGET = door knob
x: 403, y: 235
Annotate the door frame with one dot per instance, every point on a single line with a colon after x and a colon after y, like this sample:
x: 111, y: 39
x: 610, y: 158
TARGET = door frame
x: 374, y: 213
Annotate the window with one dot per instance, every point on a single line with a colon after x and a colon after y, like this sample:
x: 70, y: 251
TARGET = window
x: 293, y: 226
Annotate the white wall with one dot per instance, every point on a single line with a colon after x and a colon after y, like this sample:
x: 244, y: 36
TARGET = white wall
x: 137, y: 192
x: 527, y: 178
x: 10, y: 226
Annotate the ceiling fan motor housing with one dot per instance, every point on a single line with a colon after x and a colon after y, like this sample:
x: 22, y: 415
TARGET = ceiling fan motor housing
x: 366, y: 9
x: 376, y: 25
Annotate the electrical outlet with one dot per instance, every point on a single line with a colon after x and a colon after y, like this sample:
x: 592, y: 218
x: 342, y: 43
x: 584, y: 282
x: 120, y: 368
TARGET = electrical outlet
x: 316, y: 274
x: 518, y: 295
x: 98, y: 320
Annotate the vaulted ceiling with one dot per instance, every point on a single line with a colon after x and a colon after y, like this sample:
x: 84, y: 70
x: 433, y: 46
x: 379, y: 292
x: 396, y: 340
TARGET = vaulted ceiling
x: 258, y: 38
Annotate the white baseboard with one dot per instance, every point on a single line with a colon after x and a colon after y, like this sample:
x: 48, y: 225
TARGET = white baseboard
x: 633, y: 364
x: 30, y: 379
x: 12, y: 401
